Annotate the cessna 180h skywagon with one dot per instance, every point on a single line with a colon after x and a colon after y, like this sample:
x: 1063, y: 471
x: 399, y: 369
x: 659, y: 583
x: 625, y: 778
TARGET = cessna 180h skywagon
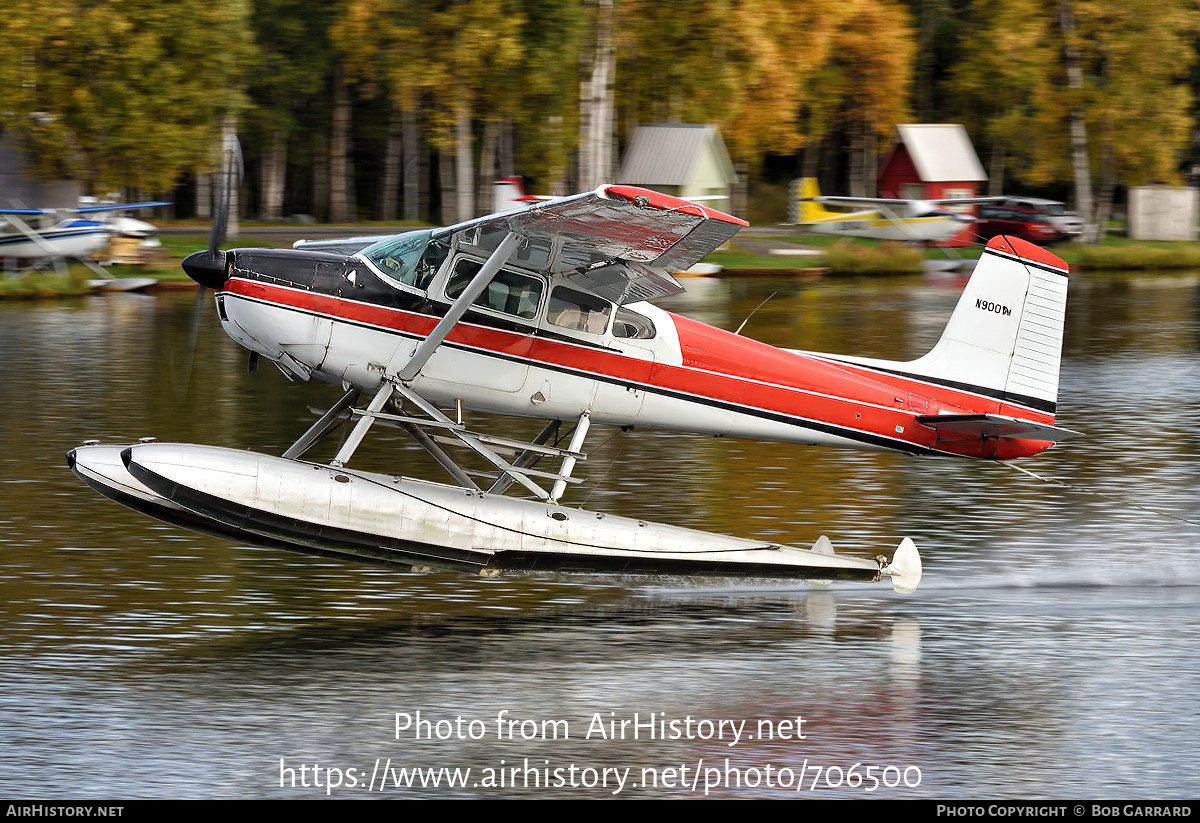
x: 544, y: 312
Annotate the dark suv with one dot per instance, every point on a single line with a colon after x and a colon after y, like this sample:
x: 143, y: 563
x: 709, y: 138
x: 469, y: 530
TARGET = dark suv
x: 1028, y: 224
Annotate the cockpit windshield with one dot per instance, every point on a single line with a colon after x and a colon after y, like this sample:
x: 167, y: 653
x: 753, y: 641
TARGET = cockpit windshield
x: 411, y: 258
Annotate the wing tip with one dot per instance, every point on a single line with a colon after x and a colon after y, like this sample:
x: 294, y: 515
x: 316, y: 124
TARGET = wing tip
x: 667, y: 202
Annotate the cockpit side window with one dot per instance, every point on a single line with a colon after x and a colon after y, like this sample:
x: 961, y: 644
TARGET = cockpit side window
x: 578, y: 310
x: 508, y: 292
x: 430, y: 263
x: 411, y: 258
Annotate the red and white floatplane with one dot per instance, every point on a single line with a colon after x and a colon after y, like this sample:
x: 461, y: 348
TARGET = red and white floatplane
x: 544, y: 312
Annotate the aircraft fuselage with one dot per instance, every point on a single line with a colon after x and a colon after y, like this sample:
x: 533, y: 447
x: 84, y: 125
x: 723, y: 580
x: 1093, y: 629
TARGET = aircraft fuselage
x: 339, y: 319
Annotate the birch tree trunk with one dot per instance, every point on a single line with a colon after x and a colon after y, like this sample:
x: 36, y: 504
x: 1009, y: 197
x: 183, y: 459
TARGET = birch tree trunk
x: 204, y: 186
x: 596, y: 106
x: 464, y: 168
x: 1108, y: 183
x: 487, y: 168
x: 320, y: 178
x: 1079, y: 147
x: 339, y: 150
x: 996, y: 171
x: 857, y: 174
x: 232, y: 224
x: 870, y: 161
x: 506, y: 160
x: 273, y: 175
x: 412, y: 162
x: 446, y: 183
x: 389, y: 186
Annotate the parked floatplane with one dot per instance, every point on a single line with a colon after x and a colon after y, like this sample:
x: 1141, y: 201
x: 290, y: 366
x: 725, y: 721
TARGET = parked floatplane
x: 544, y: 313
x: 51, y: 238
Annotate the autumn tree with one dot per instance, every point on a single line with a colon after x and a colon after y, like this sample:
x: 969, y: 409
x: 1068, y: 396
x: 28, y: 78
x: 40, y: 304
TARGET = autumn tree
x: 868, y: 73
x: 1087, y: 92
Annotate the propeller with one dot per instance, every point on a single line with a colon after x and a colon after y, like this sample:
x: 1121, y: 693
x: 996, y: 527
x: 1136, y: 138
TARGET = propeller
x: 210, y: 268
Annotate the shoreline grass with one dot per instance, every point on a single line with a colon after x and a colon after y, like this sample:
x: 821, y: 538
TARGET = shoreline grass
x: 834, y: 257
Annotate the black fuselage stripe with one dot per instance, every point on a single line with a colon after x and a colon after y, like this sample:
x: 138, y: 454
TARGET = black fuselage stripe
x: 1048, y: 406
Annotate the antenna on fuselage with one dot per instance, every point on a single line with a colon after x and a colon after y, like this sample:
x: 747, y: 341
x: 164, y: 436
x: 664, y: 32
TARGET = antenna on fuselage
x: 751, y: 314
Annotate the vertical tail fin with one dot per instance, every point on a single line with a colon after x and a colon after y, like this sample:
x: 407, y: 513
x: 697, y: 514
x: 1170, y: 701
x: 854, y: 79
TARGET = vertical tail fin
x: 1005, y: 336
x: 807, y: 209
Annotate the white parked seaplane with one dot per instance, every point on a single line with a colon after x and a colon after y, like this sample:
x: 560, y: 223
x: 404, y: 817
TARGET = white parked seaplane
x: 41, y: 238
x: 544, y: 313
x: 69, y: 235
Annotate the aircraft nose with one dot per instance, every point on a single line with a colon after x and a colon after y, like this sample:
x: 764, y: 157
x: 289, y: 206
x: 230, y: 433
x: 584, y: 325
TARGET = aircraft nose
x: 206, y: 268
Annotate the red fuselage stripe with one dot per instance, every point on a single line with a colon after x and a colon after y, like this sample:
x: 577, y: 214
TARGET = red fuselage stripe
x: 718, y: 366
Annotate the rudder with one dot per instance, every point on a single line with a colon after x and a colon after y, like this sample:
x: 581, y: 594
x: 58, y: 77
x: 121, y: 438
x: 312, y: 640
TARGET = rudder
x: 1005, y: 335
x: 807, y: 209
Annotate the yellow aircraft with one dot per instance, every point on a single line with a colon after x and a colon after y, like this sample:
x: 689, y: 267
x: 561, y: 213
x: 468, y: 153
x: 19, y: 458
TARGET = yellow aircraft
x: 882, y: 218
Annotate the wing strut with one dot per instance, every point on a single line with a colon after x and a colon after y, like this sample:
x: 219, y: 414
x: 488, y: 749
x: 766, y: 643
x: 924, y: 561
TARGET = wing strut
x: 439, y: 454
x: 360, y: 428
x: 568, y: 464
x: 322, y: 427
x: 458, y: 308
x: 519, y: 470
x: 469, y: 439
x: 528, y: 457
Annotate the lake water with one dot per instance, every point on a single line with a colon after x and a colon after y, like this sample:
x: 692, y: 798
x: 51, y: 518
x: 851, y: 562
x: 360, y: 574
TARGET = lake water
x: 1052, y: 651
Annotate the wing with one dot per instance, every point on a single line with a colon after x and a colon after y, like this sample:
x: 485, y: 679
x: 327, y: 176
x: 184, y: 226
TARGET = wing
x: 86, y: 209
x: 116, y: 207
x: 620, y: 242
x: 858, y: 201
x: 893, y: 202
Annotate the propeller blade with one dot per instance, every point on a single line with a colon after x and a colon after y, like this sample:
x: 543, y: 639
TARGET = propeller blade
x: 181, y: 372
x: 229, y: 177
x: 208, y: 268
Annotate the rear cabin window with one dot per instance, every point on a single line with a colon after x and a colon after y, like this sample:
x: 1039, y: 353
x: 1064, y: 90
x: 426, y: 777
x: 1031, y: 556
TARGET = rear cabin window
x: 509, y: 292
x: 633, y: 326
x: 578, y: 310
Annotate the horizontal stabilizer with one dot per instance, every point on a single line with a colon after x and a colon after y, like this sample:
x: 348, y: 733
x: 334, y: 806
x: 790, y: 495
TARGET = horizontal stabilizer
x: 994, y: 425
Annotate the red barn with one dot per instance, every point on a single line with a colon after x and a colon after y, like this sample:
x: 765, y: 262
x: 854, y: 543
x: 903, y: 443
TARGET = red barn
x: 932, y: 161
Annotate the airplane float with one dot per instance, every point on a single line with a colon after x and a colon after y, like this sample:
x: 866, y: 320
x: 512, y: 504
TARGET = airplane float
x: 880, y: 218
x: 545, y: 312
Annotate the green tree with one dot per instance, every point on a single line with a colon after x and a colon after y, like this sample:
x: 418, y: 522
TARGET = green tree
x: 289, y: 75
x: 122, y: 95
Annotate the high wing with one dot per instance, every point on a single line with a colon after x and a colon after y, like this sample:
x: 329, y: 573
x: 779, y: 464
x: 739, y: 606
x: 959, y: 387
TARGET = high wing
x: 84, y: 210
x: 117, y: 207
x: 891, y: 201
x: 620, y: 242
